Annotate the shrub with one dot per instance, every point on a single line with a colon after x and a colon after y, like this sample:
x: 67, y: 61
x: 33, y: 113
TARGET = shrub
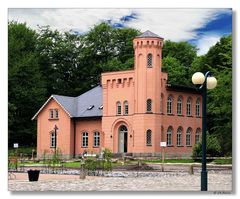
x: 213, y: 148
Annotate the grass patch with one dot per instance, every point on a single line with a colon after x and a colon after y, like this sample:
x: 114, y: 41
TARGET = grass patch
x: 222, y: 161
x: 23, y: 150
x: 170, y: 161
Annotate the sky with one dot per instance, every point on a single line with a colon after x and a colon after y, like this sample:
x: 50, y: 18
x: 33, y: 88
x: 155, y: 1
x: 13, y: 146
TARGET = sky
x: 200, y: 27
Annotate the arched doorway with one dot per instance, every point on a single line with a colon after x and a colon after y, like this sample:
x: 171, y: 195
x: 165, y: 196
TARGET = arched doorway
x: 122, y: 139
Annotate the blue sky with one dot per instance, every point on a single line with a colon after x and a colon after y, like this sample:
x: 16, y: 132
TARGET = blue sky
x: 200, y: 27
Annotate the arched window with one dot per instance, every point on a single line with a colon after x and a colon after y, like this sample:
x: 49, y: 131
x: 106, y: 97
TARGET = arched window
x: 188, y: 137
x: 161, y: 103
x: 179, y: 136
x: 119, y: 108
x: 189, y: 107
x: 197, y: 136
x: 125, y: 107
x: 96, y: 139
x: 53, y: 140
x: 149, y: 105
x: 149, y: 137
x: 169, y: 136
x: 179, y: 105
x: 85, y: 139
x: 149, y: 60
x: 169, y: 105
x: 198, y: 107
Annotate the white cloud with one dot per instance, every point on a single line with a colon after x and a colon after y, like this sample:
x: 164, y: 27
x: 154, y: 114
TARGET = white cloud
x: 173, y: 24
x: 206, y: 42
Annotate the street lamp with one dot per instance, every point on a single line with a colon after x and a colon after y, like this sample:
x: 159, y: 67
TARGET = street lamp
x: 206, y: 82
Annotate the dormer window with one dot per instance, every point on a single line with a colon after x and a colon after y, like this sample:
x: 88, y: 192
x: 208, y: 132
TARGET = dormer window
x: 101, y: 107
x: 149, y: 60
x: 90, y: 107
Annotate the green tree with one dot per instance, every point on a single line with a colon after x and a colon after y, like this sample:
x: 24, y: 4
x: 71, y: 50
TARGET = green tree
x: 26, y: 89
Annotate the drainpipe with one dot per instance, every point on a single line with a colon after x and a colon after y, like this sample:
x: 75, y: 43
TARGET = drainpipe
x: 74, y: 137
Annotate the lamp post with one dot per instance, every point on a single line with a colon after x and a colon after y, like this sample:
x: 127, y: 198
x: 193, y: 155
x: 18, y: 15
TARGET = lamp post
x: 206, y: 82
x: 55, y: 133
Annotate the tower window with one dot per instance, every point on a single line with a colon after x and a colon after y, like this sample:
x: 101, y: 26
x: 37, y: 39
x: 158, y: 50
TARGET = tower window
x: 149, y: 60
x: 149, y: 105
x: 149, y: 137
x: 119, y: 108
x: 125, y: 107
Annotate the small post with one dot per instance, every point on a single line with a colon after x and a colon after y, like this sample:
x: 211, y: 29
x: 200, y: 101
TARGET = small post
x: 163, y: 156
x: 190, y: 171
x: 163, y: 145
x: 82, y: 171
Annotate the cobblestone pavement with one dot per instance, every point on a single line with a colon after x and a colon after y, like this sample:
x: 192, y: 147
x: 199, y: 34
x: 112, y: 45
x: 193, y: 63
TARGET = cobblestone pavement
x: 167, y: 182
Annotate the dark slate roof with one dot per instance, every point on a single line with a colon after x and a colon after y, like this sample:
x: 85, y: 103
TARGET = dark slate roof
x: 79, y: 106
x: 184, y: 88
x: 148, y: 34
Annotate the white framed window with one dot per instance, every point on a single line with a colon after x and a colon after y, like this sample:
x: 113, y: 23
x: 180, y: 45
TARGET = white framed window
x: 96, y: 138
x: 179, y: 105
x: 161, y: 104
x: 53, y: 140
x: 188, y: 137
x: 197, y: 136
x: 125, y: 107
x: 149, y: 105
x: 119, y: 108
x: 51, y: 114
x: 179, y: 136
x: 198, y: 107
x: 149, y: 60
x: 169, y: 105
x: 85, y: 139
x: 169, y: 136
x: 189, y: 107
x: 149, y: 137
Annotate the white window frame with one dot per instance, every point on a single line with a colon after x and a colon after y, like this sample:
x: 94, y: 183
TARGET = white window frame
x: 189, y: 104
x: 179, y: 106
x: 96, y: 139
x: 188, y: 137
x: 169, y: 136
x: 85, y: 139
x: 197, y: 136
x: 119, y: 108
x: 125, y: 107
x: 179, y: 137
x: 51, y: 114
x: 198, y: 108
x: 53, y: 140
x: 169, y: 105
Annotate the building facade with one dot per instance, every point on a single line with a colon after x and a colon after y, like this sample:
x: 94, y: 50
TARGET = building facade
x: 130, y: 112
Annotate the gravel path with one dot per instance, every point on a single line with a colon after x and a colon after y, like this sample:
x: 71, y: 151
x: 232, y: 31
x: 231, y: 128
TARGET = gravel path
x: 220, y: 181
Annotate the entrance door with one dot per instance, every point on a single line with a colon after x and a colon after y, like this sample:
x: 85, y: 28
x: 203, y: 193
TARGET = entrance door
x: 122, y: 139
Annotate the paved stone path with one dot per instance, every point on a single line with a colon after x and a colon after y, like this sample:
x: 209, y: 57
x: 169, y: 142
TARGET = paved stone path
x: 167, y: 182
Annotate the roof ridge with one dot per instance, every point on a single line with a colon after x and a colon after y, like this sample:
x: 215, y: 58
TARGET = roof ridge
x: 89, y: 91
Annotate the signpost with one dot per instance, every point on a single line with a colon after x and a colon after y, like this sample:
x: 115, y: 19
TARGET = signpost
x: 163, y: 145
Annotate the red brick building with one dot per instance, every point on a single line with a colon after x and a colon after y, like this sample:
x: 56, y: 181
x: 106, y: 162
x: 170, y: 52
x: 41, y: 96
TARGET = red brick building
x: 130, y: 112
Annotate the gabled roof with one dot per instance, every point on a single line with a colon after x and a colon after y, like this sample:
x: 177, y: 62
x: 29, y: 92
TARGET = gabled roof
x: 79, y: 106
x: 148, y: 34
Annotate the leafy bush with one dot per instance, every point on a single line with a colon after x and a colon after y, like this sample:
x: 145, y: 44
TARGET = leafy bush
x: 213, y: 148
